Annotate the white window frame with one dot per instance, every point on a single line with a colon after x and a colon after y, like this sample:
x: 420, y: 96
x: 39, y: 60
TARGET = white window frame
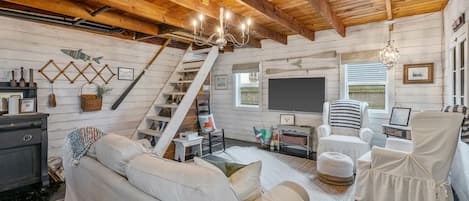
x: 461, y: 36
x: 236, y: 93
x: 388, y: 86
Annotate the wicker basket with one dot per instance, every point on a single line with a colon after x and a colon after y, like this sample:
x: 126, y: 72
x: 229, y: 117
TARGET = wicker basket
x: 90, y: 102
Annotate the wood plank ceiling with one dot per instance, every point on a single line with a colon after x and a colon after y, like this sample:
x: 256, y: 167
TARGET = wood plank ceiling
x: 152, y: 20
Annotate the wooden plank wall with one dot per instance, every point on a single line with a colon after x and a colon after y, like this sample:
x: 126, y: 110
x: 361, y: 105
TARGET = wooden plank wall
x: 451, y: 13
x: 419, y: 39
x: 31, y: 45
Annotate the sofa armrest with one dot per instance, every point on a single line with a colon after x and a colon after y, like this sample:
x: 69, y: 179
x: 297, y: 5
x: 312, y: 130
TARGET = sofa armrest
x: 366, y: 134
x: 324, y: 131
x: 285, y: 191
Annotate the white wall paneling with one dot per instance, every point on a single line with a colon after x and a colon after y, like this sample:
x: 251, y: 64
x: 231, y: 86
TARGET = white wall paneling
x: 419, y: 39
x: 31, y: 45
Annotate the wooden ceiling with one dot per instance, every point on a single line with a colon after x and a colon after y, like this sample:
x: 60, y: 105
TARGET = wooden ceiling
x: 273, y: 19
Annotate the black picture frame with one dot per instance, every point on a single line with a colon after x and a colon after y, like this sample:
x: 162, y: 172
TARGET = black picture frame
x: 398, y: 121
x: 125, y: 76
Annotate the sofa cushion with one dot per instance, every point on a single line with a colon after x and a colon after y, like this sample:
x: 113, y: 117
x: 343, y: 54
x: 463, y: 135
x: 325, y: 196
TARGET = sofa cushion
x: 227, y: 168
x: 168, y: 180
x: 115, y: 151
x: 246, y: 182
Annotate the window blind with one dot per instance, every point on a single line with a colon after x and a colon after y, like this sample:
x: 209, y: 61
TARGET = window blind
x: 373, y: 72
x: 246, y: 68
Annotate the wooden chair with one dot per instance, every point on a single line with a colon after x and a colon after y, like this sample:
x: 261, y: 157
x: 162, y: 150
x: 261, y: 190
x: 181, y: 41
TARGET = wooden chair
x: 211, y: 139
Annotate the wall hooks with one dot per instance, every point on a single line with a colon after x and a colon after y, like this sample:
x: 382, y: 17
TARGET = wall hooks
x: 80, y: 72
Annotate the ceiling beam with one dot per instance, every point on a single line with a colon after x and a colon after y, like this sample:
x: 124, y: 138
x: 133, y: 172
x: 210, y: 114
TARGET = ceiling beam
x: 325, y: 10
x: 389, y: 13
x: 75, y: 9
x: 213, y: 10
x: 279, y: 16
x: 152, y: 11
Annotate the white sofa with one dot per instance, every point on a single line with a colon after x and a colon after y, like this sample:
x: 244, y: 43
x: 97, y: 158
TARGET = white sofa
x: 148, y: 178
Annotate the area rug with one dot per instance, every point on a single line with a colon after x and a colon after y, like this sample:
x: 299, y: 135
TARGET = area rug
x: 277, y: 168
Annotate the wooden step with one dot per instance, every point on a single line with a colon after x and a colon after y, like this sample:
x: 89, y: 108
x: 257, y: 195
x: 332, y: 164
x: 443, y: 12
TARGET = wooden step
x: 192, y: 70
x: 189, y: 65
x: 182, y: 82
x: 150, y: 132
x: 174, y: 93
x: 167, y: 105
x: 159, y: 118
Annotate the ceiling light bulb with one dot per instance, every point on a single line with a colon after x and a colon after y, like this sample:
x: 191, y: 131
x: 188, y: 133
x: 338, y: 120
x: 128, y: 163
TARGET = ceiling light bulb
x: 218, y: 29
x: 228, y: 15
x: 249, y: 22
x: 243, y: 27
x: 201, y: 17
x: 194, y: 23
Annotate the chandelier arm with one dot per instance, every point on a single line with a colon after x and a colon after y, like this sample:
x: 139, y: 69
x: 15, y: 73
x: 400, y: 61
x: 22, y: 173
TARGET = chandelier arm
x: 233, y: 39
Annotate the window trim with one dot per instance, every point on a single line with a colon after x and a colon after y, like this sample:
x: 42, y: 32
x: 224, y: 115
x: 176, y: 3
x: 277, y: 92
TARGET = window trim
x: 237, y: 106
x: 389, y: 89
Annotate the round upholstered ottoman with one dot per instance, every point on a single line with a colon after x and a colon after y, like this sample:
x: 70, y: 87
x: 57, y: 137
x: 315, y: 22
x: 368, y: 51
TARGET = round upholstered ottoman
x: 335, y: 168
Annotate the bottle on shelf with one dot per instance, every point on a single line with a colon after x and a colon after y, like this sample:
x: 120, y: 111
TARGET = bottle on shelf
x: 22, y: 81
x: 13, y: 81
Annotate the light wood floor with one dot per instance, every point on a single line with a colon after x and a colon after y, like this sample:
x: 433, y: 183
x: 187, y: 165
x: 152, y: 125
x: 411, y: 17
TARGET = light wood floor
x: 277, y: 168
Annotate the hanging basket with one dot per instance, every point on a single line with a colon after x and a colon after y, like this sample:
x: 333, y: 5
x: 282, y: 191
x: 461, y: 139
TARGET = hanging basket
x: 90, y: 102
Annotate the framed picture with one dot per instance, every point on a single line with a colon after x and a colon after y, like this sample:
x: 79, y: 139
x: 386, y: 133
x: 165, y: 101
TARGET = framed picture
x: 400, y: 116
x: 125, y: 73
x: 27, y: 105
x: 287, y: 119
x: 221, y: 82
x: 418, y: 73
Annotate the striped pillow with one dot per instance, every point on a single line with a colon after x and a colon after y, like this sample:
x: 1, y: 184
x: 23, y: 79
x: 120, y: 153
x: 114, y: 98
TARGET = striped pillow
x: 345, y: 117
x: 465, y: 125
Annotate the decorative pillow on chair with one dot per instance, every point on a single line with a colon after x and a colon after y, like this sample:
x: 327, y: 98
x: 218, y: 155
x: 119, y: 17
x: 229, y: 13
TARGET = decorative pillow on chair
x: 345, y: 117
x: 207, y: 123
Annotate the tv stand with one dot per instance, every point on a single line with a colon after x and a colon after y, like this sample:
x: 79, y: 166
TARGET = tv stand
x: 296, y: 137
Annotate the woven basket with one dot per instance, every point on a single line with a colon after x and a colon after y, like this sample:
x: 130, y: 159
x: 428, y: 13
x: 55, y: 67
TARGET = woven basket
x: 90, y: 102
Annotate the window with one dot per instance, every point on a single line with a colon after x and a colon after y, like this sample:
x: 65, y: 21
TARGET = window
x: 458, y: 77
x: 247, y: 89
x: 367, y: 83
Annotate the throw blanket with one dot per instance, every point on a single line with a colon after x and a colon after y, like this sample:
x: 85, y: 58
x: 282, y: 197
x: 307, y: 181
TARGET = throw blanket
x: 81, y: 140
x: 465, y: 124
x: 345, y: 114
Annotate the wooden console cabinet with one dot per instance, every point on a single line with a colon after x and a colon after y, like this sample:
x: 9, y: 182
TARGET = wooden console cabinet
x: 296, y: 137
x: 23, y: 150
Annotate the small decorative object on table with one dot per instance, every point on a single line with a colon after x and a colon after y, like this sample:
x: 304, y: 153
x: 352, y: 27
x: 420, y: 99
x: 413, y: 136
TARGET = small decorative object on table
x: 28, y: 105
x: 264, y: 137
x: 189, y: 135
x: 13, y: 82
x: 418, y: 73
x: 400, y: 116
x: 31, y: 78
x: 22, y: 81
x: 287, y: 119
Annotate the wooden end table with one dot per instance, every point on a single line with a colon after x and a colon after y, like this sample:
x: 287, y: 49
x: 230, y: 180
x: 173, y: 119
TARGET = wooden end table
x: 181, y: 145
x: 397, y: 131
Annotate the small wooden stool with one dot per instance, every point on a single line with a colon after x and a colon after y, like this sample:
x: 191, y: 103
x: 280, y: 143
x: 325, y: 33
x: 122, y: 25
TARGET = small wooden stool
x: 181, y: 145
x: 335, y: 169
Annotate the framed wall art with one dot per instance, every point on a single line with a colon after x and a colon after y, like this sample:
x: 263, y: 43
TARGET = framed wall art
x: 125, y: 73
x: 400, y: 116
x: 28, y: 105
x: 418, y: 73
x: 221, y: 82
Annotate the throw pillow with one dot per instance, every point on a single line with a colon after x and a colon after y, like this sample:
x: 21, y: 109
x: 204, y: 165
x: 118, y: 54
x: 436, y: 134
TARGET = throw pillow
x: 246, y: 182
x: 345, y: 117
x: 207, y: 123
x: 227, y: 168
x: 465, y: 125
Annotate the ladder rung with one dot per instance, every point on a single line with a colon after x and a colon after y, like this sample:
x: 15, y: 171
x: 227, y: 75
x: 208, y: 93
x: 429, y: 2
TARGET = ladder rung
x: 182, y: 82
x: 150, y: 132
x: 189, y: 70
x: 167, y: 105
x: 175, y: 93
x: 159, y: 118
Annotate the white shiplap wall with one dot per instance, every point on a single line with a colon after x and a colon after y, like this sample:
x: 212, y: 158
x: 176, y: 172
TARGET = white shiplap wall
x: 31, y: 45
x: 419, y: 39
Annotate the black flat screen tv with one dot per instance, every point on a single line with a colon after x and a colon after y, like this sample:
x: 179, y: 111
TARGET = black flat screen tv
x: 297, y: 94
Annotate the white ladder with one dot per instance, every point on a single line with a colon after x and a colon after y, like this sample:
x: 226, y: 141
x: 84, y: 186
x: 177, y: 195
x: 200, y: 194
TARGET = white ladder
x: 168, y: 126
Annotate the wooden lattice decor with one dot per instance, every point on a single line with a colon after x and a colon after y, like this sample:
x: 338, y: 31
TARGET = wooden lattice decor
x: 99, y: 73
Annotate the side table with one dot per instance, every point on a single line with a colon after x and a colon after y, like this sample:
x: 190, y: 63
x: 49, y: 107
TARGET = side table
x: 181, y: 145
x: 397, y: 131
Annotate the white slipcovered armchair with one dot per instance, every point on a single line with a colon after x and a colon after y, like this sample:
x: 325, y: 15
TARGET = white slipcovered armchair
x: 336, y: 136
x: 392, y: 175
